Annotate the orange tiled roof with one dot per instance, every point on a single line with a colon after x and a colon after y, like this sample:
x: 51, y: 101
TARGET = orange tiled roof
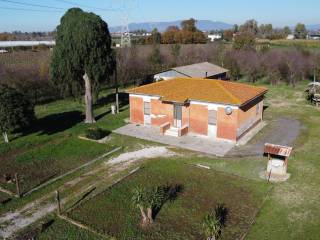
x: 215, y: 91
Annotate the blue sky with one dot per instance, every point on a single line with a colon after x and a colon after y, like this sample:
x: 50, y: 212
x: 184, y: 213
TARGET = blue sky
x: 277, y: 12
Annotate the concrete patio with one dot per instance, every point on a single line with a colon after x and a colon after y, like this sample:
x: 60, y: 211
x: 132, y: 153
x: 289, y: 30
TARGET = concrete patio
x: 190, y: 142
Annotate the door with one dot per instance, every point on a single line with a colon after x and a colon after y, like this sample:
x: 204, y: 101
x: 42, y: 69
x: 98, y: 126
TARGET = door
x: 212, y: 123
x: 177, y: 116
x: 147, y: 113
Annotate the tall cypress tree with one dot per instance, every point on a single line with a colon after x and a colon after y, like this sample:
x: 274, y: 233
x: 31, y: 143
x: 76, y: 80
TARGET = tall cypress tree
x: 82, y: 57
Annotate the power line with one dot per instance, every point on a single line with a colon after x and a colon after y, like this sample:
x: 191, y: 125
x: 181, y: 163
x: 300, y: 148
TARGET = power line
x: 86, y: 6
x: 32, y: 5
x: 27, y: 10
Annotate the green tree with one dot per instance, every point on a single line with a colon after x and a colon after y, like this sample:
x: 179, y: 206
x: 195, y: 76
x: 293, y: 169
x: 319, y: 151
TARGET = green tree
x: 175, y: 51
x: 16, y: 111
x: 286, y: 31
x: 235, y: 28
x: 155, y: 57
x: 155, y: 37
x: 244, y: 41
x: 300, y: 31
x: 82, y: 55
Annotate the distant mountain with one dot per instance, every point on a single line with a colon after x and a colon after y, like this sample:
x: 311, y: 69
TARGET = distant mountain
x: 314, y: 27
x: 204, y: 25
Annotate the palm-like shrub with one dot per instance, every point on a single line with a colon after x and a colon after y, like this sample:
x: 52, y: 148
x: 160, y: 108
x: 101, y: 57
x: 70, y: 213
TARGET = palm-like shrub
x: 214, y: 222
x: 211, y: 226
x: 149, y: 201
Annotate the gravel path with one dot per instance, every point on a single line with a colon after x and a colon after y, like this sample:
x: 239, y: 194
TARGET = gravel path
x: 282, y: 131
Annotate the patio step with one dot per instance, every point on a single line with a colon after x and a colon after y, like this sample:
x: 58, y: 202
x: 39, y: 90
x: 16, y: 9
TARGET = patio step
x: 173, y: 131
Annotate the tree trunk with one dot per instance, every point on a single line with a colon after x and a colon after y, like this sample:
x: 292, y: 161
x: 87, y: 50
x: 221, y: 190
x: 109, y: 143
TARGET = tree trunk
x: 88, y: 100
x: 144, y: 216
x: 150, y: 217
x: 5, y: 137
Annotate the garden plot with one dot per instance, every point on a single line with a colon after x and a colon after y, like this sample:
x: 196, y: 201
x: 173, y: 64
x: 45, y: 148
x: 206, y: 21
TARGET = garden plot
x: 201, y: 190
x: 39, y: 164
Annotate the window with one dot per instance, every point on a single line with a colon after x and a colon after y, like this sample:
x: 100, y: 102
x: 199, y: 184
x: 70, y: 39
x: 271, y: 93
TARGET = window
x: 212, y: 117
x: 147, y: 108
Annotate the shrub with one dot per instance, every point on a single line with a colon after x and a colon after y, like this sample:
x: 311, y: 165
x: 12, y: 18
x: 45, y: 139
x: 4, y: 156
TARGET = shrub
x: 96, y: 133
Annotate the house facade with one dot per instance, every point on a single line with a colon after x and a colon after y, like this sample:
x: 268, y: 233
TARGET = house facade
x: 216, y: 109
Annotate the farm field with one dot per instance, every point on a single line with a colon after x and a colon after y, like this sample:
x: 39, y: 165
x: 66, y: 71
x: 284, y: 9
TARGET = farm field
x: 181, y: 218
x: 51, y: 146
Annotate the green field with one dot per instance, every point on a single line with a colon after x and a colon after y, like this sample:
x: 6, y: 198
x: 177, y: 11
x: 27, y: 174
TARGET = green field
x: 291, y: 209
x: 51, y: 147
x: 112, y: 212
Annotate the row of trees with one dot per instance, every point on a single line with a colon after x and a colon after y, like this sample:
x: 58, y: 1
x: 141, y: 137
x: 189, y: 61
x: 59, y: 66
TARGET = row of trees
x: 265, y: 31
x: 187, y: 34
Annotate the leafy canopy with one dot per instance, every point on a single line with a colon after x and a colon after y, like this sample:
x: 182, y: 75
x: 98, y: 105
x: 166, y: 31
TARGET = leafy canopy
x: 16, y: 111
x: 83, y: 44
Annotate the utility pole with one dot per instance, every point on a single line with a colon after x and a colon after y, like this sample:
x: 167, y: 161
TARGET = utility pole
x: 117, y: 88
x: 125, y: 32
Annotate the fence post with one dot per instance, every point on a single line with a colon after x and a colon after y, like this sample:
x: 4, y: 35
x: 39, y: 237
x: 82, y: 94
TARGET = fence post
x: 58, y: 202
x: 17, y: 184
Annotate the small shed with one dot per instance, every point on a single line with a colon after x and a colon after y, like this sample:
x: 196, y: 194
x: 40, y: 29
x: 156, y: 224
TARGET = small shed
x: 277, y: 158
x: 198, y: 70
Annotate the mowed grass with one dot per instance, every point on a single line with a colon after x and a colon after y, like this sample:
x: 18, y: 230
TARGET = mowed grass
x: 51, y: 147
x: 112, y: 212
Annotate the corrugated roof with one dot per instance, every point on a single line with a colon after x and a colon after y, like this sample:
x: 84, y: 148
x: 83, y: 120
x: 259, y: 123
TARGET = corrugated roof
x: 215, y: 91
x: 201, y: 70
x: 279, y: 150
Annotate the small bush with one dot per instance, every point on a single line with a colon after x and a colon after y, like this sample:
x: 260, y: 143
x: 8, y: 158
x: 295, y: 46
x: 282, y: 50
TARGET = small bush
x: 96, y: 133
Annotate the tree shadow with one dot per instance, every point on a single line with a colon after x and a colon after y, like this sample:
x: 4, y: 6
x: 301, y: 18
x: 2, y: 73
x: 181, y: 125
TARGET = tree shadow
x: 55, y: 123
x: 111, y: 98
x: 169, y: 192
x: 221, y: 213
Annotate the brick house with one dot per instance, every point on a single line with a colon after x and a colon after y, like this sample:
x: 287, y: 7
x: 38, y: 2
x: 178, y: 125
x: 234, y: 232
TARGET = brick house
x: 217, y: 109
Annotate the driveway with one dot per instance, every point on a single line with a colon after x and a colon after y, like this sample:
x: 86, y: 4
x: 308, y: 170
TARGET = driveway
x: 281, y: 131
x: 190, y: 142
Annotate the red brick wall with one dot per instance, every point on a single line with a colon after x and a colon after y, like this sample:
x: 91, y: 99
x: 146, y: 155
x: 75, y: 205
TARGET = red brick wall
x: 227, y: 124
x: 199, y: 119
x: 136, y: 110
x: 249, y: 112
x: 161, y: 112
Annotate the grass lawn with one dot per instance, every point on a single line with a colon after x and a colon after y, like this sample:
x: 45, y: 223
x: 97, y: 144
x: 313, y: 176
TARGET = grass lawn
x: 51, y: 146
x: 63, y: 230
x: 112, y: 212
x: 291, y: 210
x: 4, y: 197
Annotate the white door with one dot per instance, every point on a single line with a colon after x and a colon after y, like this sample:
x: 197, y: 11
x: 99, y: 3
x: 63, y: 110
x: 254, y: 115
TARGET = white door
x: 212, y: 124
x: 147, y: 113
x: 177, y: 116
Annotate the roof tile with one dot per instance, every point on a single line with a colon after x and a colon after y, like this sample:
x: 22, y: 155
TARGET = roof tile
x: 186, y: 89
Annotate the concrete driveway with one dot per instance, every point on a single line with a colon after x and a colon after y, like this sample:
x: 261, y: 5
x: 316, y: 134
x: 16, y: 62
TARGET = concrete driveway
x: 190, y: 142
